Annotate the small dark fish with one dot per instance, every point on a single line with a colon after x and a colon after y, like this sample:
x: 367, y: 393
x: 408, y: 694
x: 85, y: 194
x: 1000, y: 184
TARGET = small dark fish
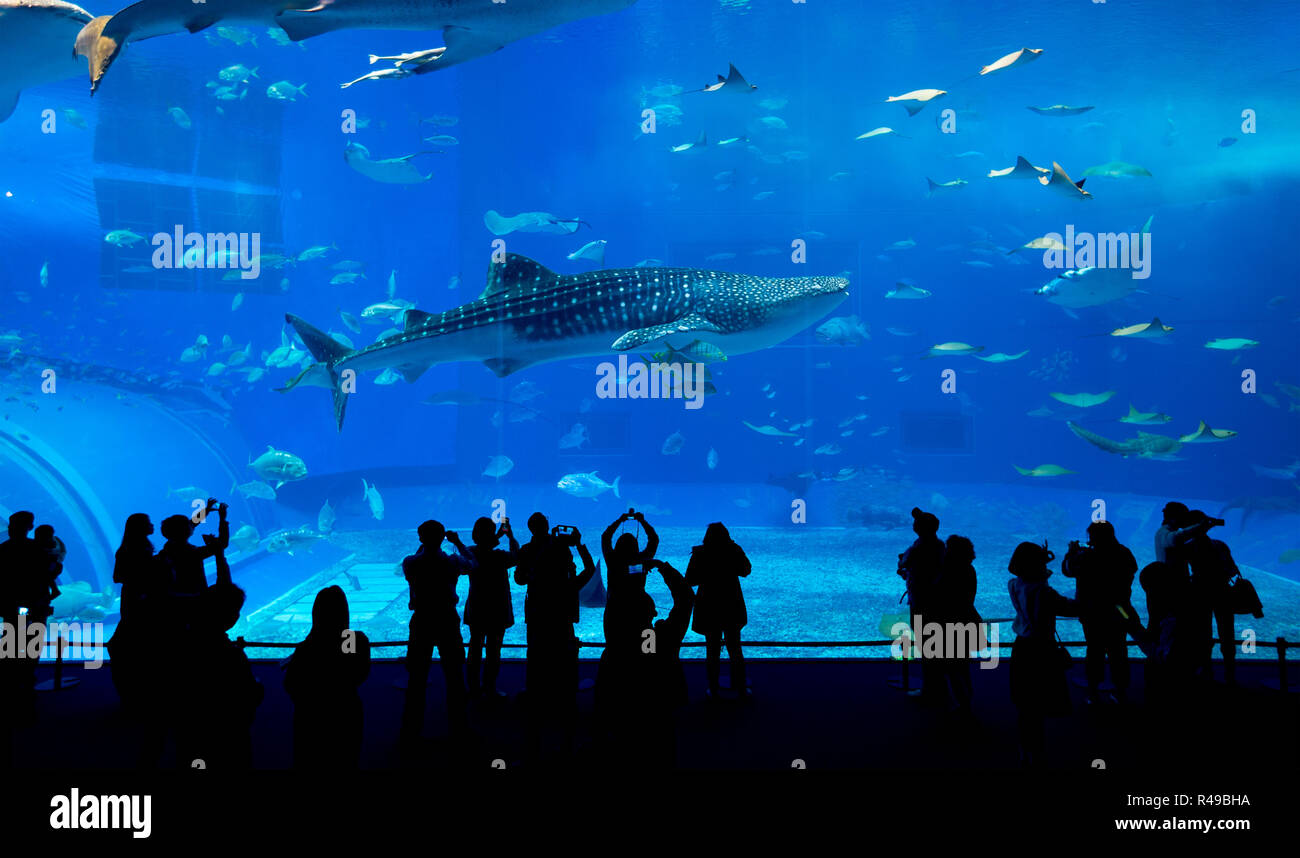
x: 1226, y: 142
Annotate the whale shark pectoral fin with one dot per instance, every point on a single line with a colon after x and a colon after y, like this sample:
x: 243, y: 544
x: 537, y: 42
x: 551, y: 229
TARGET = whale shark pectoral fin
x: 8, y: 101
x: 503, y: 366
x: 299, y: 24
x: 98, y: 49
x: 466, y: 44
x: 411, y: 372
x: 687, y: 324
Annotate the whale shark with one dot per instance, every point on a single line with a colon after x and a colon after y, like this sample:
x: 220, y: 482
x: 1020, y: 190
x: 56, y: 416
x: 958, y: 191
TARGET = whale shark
x: 37, y: 36
x: 529, y: 314
x: 470, y: 28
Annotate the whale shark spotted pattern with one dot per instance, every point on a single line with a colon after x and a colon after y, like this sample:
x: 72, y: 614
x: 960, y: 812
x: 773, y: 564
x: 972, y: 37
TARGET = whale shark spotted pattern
x: 528, y: 314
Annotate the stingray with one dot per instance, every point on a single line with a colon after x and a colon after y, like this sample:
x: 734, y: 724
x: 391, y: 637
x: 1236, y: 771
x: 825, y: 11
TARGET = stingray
x: 1205, y: 435
x: 1016, y: 58
x: 1060, y: 181
x: 1002, y: 357
x: 917, y: 99
x: 390, y: 171
x: 1147, y: 418
x: 470, y: 28
x: 37, y: 36
x: 499, y: 224
x: 1151, y: 330
x: 1022, y: 170
x: 1083, y: 400
x: 733, y: 84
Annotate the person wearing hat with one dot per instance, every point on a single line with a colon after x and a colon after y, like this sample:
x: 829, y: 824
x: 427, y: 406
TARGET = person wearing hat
x: 1038, y: 687
x: 1212, y: 568
x: 920, y: 566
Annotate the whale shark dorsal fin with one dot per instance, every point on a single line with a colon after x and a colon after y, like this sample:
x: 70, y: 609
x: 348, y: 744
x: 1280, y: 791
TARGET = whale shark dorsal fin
x: 415, y: 318
x: 516, y: 271
x: 1132, y: 412
x: 703, y: 139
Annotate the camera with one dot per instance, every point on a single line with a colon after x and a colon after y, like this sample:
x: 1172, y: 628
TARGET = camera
x: 565, y: 533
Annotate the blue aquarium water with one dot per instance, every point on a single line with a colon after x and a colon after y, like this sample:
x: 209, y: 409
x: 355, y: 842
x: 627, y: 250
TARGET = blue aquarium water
x: 1022, y: 265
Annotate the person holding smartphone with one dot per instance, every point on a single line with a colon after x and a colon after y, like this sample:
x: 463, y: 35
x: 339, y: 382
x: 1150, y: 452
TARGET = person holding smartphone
x: 488, y: 611
x: 181, y: 562
x: 625, y: 563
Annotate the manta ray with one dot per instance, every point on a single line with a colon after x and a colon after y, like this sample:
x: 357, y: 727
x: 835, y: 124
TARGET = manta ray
x: 35, y: 46
x: 470, y: 28
x: 528, y: 315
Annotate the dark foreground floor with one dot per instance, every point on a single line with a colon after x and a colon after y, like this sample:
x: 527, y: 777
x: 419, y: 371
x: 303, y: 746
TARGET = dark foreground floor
x: 823, y: 714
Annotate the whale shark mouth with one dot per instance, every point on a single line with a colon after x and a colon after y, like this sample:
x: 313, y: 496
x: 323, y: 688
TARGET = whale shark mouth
x: 529, y: 315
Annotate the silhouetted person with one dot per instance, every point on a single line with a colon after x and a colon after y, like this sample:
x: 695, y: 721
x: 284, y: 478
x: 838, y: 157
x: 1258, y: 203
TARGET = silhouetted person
x: 624, y: 553
x: 953, y: 604
x: 218, y: 694
x: 24, y: 589
x: 1171, y: 640
x: 55, y: 553
x: 182, y: 561
x: 546, y: 568
x: 1037, y: 674
x: 1212, y: 569
x: 488, y: 611
x: 432, y: 574
x: 1103, y: 574
x: 139, y: 666
x: 1177, y: 528
x: 920, y: 566
x: 717, y: 564
x: 321, y: 677
x: 640, y: 682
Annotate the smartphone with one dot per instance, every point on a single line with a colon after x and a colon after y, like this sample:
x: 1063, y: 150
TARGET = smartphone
x: 637, y: 569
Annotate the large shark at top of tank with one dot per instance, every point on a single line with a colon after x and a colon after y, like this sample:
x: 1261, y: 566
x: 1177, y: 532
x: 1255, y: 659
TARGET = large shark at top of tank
x: 470, y: 28
x: 528, y: 314
x: 36, y: 39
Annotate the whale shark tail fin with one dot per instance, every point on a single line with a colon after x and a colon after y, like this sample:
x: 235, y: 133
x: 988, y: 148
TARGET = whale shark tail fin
x: 328, y: 352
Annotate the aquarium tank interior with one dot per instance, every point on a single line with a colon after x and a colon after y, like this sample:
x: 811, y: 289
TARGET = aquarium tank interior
x: 798, y: 267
